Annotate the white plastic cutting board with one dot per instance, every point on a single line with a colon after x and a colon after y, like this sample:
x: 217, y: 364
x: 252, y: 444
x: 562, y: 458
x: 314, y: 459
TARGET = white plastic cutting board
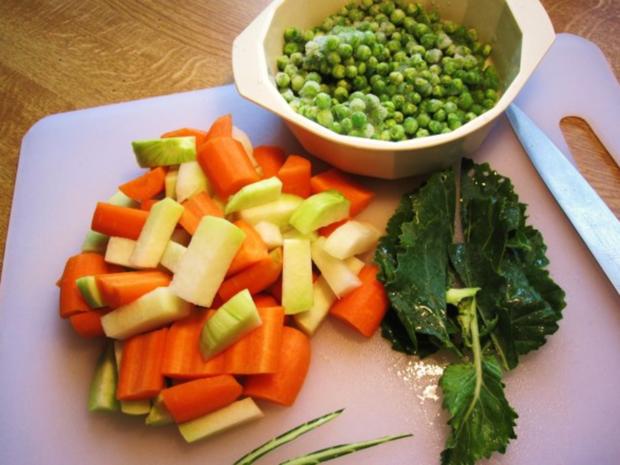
x: 567, y: 394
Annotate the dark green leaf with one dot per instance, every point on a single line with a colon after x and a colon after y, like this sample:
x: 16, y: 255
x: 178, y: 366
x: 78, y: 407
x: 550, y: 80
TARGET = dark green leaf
x: 482, y: 421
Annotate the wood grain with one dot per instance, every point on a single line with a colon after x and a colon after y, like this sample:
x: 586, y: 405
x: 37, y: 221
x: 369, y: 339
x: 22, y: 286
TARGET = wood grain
x: 60, y: 55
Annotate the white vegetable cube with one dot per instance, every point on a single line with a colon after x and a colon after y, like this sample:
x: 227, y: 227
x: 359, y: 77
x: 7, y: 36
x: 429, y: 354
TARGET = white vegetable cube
x: 153, y: 310
x: 352, y: 238
x: 190, y: 180
x: 297, y: 289
x: 119, y: 250
x: 255, y: 194
x: 278, y: 212
x: 324, y: 298
x: 172, y: 255
x: 202, y: 269
x: 339, y: 277
x: 269, y: 233
x: 235, y: 414
x: 156, y: 233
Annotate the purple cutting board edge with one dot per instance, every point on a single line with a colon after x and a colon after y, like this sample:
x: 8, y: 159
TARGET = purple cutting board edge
x: 566, y: 394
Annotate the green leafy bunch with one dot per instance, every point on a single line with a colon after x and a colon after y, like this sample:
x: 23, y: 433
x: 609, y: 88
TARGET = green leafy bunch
x: 489, y: 298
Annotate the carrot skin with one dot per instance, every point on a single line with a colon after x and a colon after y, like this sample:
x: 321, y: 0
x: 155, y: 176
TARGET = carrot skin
x: 87, y: 324
x: 146, y: 186
x: 283, y: 386
x: 196, y: 398
x: 118, y: 289
x: 113, y: 220
x: 140, y: 376
x: 252, y: 249
x: 197, y: 206
x: 84, y: 264
x: 364, y: 307
x: 270, y: 158
x: 358, y: 196
x: 255, y: 278
x: 265, y: 300
x: 295, y: 176
x: 226, y: 164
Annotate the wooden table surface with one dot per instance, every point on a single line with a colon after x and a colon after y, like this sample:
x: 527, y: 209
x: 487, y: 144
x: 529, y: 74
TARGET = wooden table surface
x: 62, y: 55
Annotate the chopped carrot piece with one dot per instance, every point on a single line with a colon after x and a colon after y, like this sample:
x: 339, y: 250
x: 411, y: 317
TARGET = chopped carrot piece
x: 84, y: 264
x: 140, y: 375
x: 255, y: 278
x: 252, y: 250
x: 196, y: 398
x: 147, y: 204
x: 364, y: 307
x: 146, y: 186
x: 113, y: 220
x: 265, y: 300
x: 358, y: 195
x: 283, y: 386
x: 119, y: 289
x: 87, y: 324
x: 270, y: 159
x: 182, y: 357
x: 221, y: 127
x: 197, y: 206
x: 295, y: 176
x: 226, y: 164
x: 259, y: 351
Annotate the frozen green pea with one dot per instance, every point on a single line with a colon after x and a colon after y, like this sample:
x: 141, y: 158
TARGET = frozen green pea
x: 438, y: 91
x: 397, y: 16
x: 347, y: 125
x: 433, y: 55
x: 397, y: 133
x: 283, y: 80
x: 450, y: 107
x: 423, y: 120
x: 290, y: 48
x: 322, y: 101
x: 297, y: 82
x: 291, y: 34
x: 297, y: 59
x: 324, y: 117
x: 398, y: 117
x: 409, y: 108
x: 389, y: 123
x: 311, y: 112
x: 465, y: 101
x: 282, y: 61
x: 359, y: 119
x: 331, y: 43
x: 288, y: 95
x: 440, y: 115
x: 363, y: 52
x: 470, y: 116
x: 434, y: 105
x: 422, y: 133
x: 310, y: 89
x: 410, y: 125
x: 341, y: 94
x: 361, y: 68
x: 314, y: 76
x: 338, y: 71
x: 345, y: 50
x: 333, y: 58
x: 357, y: 104
x: 336, y: 127
x: 341, y: 111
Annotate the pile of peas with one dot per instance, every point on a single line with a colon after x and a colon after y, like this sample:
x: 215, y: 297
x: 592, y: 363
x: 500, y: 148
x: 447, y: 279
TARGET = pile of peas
x: 387, y: 70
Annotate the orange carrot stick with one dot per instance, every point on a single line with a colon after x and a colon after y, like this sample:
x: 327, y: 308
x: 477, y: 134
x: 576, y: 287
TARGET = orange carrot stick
x: 364, y: 307
x: 84, y: 264
x: 295, y: 176
x: 113, y: 220
x: 259, y: 351
x: 200, y: 136
x: 358, y: 195
x: 265, y: 300
x: 119, y: 289
x: 270, y: 159
x: 196, y: 398
x: 146, y: 186
x: 252, y: 250
x: 255, y: 278
x: 283, y: 386
x: 226, y: 164
x: 182, y: 357
x: 221, y: 127
x: 140, y: 376
x: 276, y: 289
x: 147, y: 204
x: 87, y: 324
x: 197, y: 206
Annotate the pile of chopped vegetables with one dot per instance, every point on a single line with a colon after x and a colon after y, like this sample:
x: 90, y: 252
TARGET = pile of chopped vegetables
x: 387, y: 70
x: 209, y: 273
x: 487, y: 298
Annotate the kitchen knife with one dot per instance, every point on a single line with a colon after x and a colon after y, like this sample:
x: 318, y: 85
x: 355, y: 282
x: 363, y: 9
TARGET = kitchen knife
x: 593, y: 220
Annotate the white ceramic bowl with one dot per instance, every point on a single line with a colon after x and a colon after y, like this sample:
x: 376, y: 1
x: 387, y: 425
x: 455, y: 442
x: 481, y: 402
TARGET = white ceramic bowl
x: 519, y: 30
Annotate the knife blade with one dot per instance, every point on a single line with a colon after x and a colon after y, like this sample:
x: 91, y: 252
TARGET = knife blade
x: 591, y: 218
